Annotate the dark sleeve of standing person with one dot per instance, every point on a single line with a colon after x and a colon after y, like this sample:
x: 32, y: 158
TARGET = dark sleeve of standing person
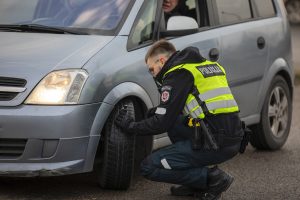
x: 174, y: 92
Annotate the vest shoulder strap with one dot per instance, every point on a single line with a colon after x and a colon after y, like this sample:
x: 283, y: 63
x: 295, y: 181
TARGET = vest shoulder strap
x: 196, y: 94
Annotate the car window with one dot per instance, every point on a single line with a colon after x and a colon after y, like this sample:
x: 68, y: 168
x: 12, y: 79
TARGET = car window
x: 142, y: 31
x: 147, y: 21
x: 184, y: 8
x: 84, y: 14
x: 232, y: 11
x: 192, y: 9
x: 103, y: 14
x: 264, y: 8
x: 191, y: 4
x: 13, y: 11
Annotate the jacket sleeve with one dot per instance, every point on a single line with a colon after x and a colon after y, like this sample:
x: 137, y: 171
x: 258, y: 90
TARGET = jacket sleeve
x: 174, y: 92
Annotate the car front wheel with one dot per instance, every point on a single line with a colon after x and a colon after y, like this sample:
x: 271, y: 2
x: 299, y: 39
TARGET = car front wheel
x: 115, y: 162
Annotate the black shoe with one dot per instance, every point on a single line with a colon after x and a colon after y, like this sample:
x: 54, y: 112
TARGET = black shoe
x: 182, y: 191
x: 218, y: 182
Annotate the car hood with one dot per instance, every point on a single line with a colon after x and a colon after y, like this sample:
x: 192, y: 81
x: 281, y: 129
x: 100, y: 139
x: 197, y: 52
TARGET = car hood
x: 31, y: 56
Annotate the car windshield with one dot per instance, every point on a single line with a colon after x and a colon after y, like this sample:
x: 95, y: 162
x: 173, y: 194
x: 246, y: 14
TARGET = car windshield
x: 92, y: 16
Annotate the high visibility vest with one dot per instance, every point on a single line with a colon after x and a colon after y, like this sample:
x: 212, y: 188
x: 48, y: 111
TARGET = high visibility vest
x: 210, y: 80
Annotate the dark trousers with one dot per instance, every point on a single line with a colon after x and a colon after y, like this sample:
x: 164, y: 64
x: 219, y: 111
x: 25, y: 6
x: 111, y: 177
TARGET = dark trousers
x: 180, y: 164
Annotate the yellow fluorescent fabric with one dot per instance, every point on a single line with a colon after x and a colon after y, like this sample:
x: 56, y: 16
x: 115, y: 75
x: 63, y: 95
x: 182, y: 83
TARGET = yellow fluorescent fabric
x: 210, y: 80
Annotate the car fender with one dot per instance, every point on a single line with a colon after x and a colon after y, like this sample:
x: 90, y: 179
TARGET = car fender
x: 279, y: 66
x: 118, y: 93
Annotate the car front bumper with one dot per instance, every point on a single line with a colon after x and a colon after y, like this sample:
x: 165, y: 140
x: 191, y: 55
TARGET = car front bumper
x: 47, y: 140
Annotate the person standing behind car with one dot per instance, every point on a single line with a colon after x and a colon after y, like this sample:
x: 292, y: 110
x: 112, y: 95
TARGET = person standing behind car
x: 181, y: 73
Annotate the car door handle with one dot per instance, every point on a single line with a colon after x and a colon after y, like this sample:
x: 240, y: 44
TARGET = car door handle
x: 214, y: 54
x: 261, y: 43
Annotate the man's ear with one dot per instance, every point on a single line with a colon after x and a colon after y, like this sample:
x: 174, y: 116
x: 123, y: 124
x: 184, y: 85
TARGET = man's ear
x: 162, y: 61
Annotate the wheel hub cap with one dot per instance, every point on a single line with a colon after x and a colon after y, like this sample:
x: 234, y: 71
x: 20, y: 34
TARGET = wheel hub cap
x: 278, y: 111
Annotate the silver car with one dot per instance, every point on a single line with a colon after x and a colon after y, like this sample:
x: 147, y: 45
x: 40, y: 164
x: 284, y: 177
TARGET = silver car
x: 68, y: 66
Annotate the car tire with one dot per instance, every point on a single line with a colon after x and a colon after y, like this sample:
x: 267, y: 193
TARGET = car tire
x: 274, y: 127
x: 116, y: 162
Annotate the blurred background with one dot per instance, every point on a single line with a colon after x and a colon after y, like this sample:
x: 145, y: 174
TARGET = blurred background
x: 293, y: 10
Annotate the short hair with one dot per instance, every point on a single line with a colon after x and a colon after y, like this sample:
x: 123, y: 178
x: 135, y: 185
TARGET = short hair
x: 160, y: 47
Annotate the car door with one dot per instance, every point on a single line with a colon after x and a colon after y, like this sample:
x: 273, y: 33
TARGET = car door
x: 243, y: 50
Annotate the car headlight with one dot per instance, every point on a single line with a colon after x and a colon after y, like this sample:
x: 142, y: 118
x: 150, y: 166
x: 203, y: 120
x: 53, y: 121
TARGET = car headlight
x: 58, y: 88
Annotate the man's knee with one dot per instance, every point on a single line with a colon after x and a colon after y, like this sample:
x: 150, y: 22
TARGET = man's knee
x: 148, y: 169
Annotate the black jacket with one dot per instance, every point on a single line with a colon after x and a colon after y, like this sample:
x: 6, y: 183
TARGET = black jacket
x: 175, y: 89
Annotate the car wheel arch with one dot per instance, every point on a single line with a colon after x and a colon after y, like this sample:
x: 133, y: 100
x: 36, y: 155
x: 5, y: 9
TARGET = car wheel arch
x: 278, y: 68
x: 117, y: 95
x: 273, y: 128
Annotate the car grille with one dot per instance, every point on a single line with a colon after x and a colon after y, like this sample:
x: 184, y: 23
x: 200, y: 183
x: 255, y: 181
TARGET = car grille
x: 11, y: 87
x: 12, y: 148
x: 7, y: 96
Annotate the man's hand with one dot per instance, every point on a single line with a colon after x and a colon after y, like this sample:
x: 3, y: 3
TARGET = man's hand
x: 151, y: 112
x: 124, y: 119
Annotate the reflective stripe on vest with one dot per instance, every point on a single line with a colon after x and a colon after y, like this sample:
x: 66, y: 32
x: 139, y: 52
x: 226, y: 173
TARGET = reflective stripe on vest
x: 196, y: 111
x: 213, y: 93
x: 213, y: 87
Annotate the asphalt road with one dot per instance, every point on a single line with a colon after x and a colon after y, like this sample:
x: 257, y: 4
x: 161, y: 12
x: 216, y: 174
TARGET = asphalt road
x: 258, y: 175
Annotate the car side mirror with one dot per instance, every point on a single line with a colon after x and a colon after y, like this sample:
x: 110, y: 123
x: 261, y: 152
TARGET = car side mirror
x: 181, y: 23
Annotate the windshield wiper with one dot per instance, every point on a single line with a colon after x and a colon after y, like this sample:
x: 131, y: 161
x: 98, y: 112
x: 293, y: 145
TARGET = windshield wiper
x: 38, y: 28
